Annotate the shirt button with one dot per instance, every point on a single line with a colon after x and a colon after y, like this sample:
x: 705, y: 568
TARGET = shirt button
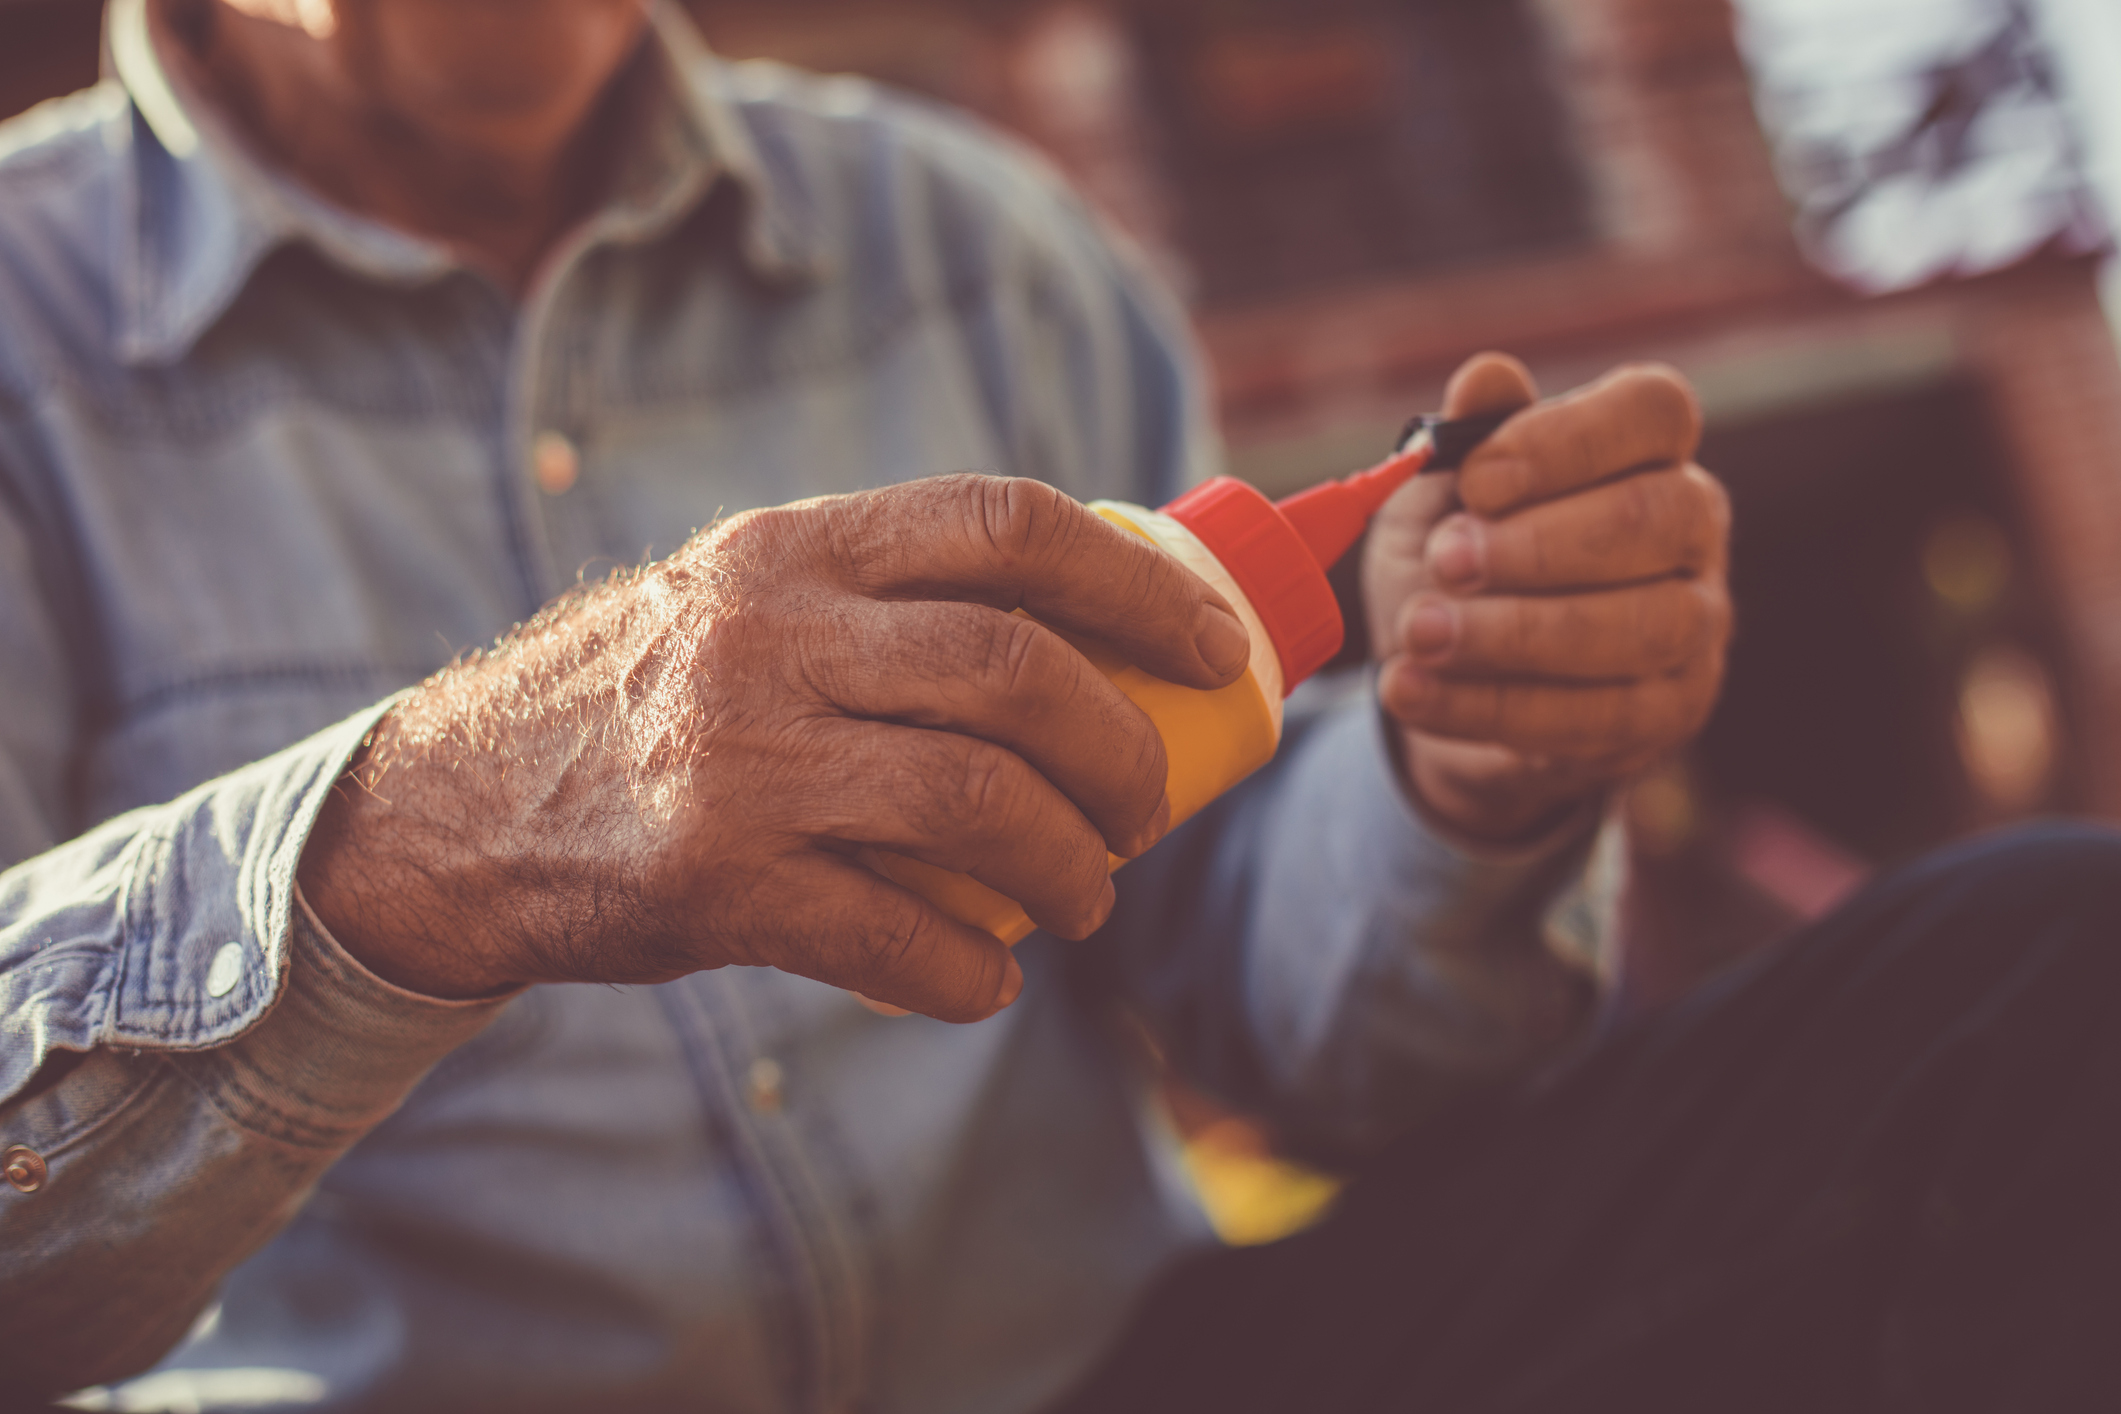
x: 225, y: 970
x: 762, y: 1087
x: 24, y: 1168
x: 554, y: 462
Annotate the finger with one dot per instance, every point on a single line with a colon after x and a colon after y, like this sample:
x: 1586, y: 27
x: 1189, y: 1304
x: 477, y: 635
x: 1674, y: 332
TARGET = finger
x: 1489, y: 382
x: 1008, y: 680
x: 967, y: 806
x: 1673, y: 521
x: 863, y: 933
x: 1646, y: 630
x: 1012, y: 543
x: 1593, y: 720
x: 1635, y: 417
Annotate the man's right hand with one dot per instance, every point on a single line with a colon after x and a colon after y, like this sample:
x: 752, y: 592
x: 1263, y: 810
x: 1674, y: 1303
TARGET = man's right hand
x: 673, y: 771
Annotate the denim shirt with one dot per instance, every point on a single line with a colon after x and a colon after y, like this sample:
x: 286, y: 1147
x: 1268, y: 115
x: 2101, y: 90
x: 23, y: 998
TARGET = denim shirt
x: 264, y: 463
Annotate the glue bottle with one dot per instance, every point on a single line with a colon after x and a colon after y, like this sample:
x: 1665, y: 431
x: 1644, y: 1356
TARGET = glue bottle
x: 1268, y: 560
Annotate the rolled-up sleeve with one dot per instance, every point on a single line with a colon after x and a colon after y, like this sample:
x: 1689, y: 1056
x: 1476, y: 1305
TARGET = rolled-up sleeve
x: 186, y: 1052
x: 165, y: 928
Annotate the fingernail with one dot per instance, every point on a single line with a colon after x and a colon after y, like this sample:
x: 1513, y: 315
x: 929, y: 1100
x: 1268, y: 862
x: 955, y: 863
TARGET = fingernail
x: 1432, y: 629
x: 1012, y: 984
x: 1221, y: 639
x: 1458, y: 553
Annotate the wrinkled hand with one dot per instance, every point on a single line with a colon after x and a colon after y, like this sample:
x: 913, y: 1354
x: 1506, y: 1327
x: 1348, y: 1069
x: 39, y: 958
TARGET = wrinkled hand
x: 1553, y: 618
x: 673, y: 771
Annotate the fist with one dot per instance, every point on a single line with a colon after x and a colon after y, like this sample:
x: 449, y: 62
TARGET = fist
x: 1553, y: 617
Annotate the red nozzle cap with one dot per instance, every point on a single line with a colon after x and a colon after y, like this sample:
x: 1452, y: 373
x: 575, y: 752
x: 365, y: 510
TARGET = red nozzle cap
x: 1273, y: 566
x: 1330, y: 516
x: 1279, y: 554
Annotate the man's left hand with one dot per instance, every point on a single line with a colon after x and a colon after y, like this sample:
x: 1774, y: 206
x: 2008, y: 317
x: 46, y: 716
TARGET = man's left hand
x: 1552, y: 618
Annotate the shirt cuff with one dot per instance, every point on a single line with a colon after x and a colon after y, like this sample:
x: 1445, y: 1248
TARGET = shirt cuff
x: 166, y: 928
x: 338, y: 1052
x: 1362, y: 902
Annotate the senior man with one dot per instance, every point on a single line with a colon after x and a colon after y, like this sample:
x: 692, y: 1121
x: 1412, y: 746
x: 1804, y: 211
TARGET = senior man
x: 338, y: 336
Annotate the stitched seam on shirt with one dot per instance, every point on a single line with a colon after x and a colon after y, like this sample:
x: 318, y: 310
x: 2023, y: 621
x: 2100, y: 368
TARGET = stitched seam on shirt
x: 214, y: 1078
x: 137, y: 915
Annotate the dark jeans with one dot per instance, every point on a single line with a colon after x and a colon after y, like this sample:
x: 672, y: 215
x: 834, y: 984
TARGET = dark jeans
x: 1879, y: 1168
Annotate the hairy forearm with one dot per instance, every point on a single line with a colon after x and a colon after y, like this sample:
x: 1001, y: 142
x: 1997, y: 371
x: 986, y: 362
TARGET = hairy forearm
x: 475, y: 845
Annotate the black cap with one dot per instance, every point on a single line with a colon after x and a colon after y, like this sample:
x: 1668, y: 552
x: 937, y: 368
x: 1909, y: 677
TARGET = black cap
x: 1454, y: 439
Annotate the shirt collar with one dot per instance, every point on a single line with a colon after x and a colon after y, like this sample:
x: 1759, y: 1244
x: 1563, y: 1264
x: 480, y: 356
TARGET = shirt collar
x: 201, y: 210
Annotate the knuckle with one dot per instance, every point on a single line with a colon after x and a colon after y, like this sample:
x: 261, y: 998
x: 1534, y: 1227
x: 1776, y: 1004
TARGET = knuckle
x: 1486, y: 708
x: 1636, y: 507
x: 1673, y: 522
x: 1016, y: 656
x: 943, y: 786
x: 890, y: 943
x: 821, y: 658
x: 985, y: 790
x: 749, y: 536
x: 1523, y: 629
x: 1521, y: 551
x: 1147, y: 580
x: 1016, y: 515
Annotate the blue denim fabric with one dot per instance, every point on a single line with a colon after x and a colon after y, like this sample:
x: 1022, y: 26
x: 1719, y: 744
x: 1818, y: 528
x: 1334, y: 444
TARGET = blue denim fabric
x: 264, y: 463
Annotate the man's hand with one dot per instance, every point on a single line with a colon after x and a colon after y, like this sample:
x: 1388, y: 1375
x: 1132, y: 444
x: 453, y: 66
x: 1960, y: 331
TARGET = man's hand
x: 673, y: 771
x: 1553, y: 618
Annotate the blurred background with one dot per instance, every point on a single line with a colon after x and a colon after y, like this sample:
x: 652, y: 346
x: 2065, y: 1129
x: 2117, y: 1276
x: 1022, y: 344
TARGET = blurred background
x: 1873, y: 232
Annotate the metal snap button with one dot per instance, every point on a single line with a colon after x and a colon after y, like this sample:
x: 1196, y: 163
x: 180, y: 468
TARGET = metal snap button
x: 24, y: 1168
x: 225, y: 970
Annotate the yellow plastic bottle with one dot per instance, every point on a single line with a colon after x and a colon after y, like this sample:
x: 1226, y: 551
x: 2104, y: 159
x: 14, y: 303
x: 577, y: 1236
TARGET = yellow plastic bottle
x: 1269, y: 563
